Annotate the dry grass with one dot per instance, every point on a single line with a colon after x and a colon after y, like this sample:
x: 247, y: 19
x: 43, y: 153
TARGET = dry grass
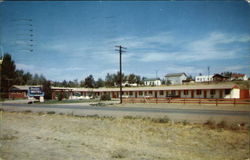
x: 49, y: 136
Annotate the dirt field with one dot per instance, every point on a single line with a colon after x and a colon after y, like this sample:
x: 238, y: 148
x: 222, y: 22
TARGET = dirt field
x: 29, y: 136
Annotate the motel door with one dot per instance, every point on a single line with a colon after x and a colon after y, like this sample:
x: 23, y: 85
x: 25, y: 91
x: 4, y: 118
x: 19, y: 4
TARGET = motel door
x: 155, y: 94
x: 135, y: 94
x: 192, y: 94
x: 113, y: 95
x: 179, y: 93
x: 205, y: 94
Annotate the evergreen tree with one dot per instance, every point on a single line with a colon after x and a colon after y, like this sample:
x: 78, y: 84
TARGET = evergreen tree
x: 20, y: 77
x: 99, y: 83
x: 8, y: 74
x: 89, y: 82
x: 27, y: 78
x: 109, y: 80
x: 47, y: 89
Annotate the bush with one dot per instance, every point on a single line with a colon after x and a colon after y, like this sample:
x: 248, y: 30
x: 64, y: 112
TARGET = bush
x: 51, y: 112
x: 27, y: 111
x: 160, y: 120
x: 105, y: 97
x: 185, y: 122
x: 222, y: 124
x: 211, y: 124
x: 62, y: 95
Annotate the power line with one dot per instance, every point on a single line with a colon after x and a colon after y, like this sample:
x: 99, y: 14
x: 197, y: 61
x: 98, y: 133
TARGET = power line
x: 120, y: 50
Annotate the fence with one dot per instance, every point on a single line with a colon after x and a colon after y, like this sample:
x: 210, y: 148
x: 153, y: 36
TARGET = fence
x: 187, y: 100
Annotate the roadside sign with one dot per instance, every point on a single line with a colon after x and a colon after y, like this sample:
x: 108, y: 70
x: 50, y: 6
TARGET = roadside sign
x: 35, y: 91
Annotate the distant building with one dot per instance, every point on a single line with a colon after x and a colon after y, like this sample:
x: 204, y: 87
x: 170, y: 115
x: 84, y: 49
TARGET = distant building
x: 152, y: 82
x: 238, y: 76
x: 175, y: 78
x: 218, y: 78
x: 188, y: 81
x: 127, y: 84
x: 204, y: 78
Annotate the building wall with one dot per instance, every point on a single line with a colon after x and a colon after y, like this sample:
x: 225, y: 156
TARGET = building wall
x: 244, y: 78
x: 204, y: 78
x: 155, y: 83
x: 191, y: 93
x: 244, y: 93
x: 176, y: 80
x: 235, y: 93
x: 14, y: 95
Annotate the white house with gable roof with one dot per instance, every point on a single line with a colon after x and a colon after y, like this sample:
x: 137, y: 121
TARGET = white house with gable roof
x: 175, y: 78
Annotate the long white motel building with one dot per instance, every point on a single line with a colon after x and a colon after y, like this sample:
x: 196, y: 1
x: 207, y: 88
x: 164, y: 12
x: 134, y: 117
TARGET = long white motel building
x: 180, y: 91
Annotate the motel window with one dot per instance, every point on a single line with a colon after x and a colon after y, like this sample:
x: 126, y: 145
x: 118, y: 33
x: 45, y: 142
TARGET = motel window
x: 145, y: 93
x: 161, y: 93
x: 185, y: 92
x: 150, y: 92
x: 212, y: 92
x: 130, y: 93
x: 198, y: 92
x: 172, y: 92
x: 227, y: 91
x: 140, y: 93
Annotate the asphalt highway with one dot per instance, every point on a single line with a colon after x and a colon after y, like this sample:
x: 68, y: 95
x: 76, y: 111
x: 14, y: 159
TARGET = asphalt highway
x: 135, y: 109
x: 176, y: 114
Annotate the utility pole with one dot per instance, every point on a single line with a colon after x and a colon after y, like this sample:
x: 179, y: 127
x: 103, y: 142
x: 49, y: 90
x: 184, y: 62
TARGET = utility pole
x: 208, y: 72
x: 120, y: 50
x: 156, y: 74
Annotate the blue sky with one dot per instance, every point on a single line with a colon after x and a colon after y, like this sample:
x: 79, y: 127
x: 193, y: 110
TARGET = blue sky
x: 74, y: 39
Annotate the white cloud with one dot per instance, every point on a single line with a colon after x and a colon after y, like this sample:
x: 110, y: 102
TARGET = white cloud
x: 206, y: 48
x: 161, y: 47
x: 184, y: 68
x: 236, y: 68
x: 154, y: 57
x: 210, y: 47
x: 139, y: 42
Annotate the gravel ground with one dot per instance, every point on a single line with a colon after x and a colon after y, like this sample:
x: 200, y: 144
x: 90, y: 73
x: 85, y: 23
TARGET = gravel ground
x: 30, y: 136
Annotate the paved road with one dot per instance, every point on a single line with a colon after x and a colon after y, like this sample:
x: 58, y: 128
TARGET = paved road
x: 195, y: 115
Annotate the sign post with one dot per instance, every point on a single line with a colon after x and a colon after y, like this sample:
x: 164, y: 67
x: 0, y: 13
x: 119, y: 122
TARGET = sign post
x: 36, y: 92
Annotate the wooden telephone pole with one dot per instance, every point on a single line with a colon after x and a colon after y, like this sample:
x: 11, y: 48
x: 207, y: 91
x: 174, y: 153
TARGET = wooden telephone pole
x: 120, y: 50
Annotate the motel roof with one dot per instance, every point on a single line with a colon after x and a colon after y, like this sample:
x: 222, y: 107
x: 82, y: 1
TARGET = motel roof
x: 179, y: 87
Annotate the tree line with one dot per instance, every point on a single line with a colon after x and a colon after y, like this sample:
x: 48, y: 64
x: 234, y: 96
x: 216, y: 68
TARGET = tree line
x: 10, y: 76
x: 111, y: 80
